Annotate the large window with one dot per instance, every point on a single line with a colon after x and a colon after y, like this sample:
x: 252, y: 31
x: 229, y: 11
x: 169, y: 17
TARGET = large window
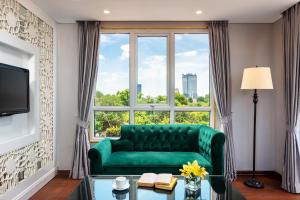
x: 151, y: 78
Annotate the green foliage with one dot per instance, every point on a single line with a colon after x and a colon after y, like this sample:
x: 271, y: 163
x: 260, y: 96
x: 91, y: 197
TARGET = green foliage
x: 124, y: 97
x: 113, y: 131
x: 180, y: 100
x: 112, y: 120
x: 151, y: 100
x: 152, y: 117
x: 108, y: 123
x: 192, y: 118
x: 120, y: 99
x: 203, y: 100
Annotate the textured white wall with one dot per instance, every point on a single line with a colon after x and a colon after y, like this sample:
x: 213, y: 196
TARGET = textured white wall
x: 251, y: 44
x: 29, y: 15
x: 67, y: 82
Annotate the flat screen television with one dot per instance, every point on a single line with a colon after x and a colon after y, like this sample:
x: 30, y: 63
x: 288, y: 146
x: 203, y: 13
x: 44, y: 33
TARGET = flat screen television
x: 14, y: 90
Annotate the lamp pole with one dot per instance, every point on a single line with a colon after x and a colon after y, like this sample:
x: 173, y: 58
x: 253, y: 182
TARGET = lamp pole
x: 252, y: 182
x: 255, y: 100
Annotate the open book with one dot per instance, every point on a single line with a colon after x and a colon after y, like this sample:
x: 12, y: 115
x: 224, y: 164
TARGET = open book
x: 160, y: 181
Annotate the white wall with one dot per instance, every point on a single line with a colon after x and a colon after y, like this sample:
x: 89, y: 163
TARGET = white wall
x: 279, y: 112
x: 258, y: 44
x: 67, y: 82
x: 251, y: 44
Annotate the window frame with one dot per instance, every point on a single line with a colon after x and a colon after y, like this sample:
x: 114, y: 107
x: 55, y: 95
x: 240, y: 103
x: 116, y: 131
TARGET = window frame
x: 133, y: 78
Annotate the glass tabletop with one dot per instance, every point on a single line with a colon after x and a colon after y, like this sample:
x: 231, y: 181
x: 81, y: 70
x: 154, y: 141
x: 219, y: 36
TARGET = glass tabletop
x: 100, y: 188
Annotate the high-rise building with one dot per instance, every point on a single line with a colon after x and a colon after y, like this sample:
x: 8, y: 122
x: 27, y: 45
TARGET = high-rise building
x: 189, y: 85
x: 139, y: 88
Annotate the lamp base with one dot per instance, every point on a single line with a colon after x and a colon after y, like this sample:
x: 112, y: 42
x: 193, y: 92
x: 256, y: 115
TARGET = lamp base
x: 252, y: 182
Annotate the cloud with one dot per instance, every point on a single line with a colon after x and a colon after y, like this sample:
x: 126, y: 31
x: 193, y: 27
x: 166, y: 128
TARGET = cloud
x: 101, y: 57
x: 187, y: 53
x: 152, y: 75
x: 125, y: 51
x: 110, y: 83
x: 104, y: 39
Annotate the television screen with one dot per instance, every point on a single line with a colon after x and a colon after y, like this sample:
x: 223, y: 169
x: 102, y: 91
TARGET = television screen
x: 14, y: 90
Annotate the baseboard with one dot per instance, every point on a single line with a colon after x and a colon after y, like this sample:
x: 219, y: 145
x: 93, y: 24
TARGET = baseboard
x: 26, y: 189
x: 36, y: 186
x: 263, y: 173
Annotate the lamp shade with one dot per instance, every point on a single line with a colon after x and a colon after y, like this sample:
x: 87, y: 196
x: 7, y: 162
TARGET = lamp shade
x: 257, y: 78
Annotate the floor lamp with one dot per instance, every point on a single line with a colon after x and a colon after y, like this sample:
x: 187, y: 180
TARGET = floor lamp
x: 256, y: 78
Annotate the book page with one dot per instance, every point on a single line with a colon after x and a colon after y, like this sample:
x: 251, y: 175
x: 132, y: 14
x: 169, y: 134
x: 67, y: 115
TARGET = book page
x: 167, y: 186
x: 163, y: 179
x: 147, y: 179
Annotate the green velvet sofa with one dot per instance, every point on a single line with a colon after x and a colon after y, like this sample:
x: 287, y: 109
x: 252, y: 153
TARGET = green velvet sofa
x: 158, y: 149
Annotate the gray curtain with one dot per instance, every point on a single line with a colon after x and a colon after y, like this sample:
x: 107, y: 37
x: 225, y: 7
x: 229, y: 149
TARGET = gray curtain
x: 220, y: 66
x: 89, y: 33
x: 291, y: 37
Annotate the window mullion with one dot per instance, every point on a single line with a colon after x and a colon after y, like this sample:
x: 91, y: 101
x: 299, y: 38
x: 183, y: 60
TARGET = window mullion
x: 171, y: 73
x: 132, y: 75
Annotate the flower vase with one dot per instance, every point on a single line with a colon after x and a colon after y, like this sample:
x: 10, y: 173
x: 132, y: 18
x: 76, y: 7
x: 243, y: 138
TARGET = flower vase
x: 192, y: 183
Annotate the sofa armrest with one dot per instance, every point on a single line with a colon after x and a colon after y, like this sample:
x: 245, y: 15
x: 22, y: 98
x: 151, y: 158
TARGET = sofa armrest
x: 98, y: 155
x: 211, y: 144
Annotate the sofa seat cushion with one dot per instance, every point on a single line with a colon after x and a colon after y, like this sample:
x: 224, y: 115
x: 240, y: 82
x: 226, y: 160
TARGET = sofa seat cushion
x: 152, y: 161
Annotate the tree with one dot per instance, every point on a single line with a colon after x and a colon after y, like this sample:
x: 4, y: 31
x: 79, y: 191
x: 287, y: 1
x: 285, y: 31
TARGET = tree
x: 107, y: 100
x: 161, y: 99
x: 192, y: 117
x: 108, y: 123
x: 203, y: 100
x: 105, y: 120
x: 124, y: 97
x: 180, y: 100
x: 152, y: 117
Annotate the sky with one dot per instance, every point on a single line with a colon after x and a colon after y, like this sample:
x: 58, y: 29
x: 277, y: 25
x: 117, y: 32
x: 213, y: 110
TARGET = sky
x: 191, y: 56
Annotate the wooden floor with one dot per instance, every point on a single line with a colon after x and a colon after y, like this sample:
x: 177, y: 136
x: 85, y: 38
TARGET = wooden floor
x: 60, y: 188
x: 272, y: 190
x: 57, y: 189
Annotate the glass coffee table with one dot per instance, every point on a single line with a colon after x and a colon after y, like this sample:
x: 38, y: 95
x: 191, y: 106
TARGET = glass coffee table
x: 100, y: 188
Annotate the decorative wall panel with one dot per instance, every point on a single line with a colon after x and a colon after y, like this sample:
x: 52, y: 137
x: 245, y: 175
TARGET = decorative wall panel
x: 24, y: 162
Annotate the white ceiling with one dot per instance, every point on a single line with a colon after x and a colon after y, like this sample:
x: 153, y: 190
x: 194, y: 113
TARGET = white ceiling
x: 236, y: 11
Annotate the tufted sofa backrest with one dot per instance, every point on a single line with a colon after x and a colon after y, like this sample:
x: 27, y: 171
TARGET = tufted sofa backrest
x: 174, y: 137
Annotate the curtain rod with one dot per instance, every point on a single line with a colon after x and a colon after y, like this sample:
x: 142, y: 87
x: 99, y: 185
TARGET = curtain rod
x: 152, y: 27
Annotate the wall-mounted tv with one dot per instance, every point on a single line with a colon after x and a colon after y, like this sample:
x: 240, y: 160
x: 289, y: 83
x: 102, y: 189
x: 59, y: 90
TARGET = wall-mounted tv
x: 14, y: 90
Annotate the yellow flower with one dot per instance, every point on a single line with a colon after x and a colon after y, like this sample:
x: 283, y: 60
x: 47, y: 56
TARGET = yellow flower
x: 195, y: 166
x: 193, y: 169
x: 186, y: 170
x: 201, y: 172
